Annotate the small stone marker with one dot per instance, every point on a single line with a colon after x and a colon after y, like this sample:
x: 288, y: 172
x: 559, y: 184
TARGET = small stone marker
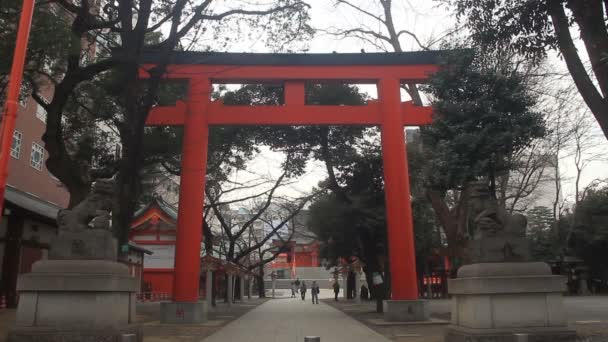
x: 312, y: 339
x: 520, y: 337
x: 128, y: 338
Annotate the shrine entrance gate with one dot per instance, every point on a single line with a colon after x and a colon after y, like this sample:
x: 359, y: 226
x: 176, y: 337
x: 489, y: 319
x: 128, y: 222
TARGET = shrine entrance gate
x: 386, y: 70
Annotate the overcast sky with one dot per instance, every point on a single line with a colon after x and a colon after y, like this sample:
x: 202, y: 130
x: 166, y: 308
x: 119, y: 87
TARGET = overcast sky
x: 428, y: 21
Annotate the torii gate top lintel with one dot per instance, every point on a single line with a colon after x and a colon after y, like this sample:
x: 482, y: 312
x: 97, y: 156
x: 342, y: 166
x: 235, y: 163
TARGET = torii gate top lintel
x: 293, y: 71
x: 358, y: 68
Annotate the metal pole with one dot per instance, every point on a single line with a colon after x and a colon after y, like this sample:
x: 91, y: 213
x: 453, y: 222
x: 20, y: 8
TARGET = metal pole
x: 14, y: 88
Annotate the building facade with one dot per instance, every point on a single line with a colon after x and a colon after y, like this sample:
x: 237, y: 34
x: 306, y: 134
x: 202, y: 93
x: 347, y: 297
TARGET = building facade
x: 32, y: 199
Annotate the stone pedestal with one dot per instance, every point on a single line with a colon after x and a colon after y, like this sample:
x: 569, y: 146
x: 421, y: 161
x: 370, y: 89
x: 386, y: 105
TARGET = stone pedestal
x: 93, y: 244
x: 406, y: 310
x: 496, y: 301
x: 82, y: 294
x: 74, y: 300
x: 183, y: 313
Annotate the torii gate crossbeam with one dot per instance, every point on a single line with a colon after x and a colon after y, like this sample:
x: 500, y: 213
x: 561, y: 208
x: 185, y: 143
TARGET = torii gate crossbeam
x: 387, y: 70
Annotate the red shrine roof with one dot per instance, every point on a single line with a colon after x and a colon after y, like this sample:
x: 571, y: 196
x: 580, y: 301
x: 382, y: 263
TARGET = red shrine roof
x: 157, y: 214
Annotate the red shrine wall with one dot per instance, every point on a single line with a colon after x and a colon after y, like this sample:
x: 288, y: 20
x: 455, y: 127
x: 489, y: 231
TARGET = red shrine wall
x: 304, y: 259
x: 159, y: 280
x: 305, y: 256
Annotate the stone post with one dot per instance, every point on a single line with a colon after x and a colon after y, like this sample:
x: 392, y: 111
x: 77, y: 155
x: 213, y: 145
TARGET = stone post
x: 250, y: 284
x: 273, y: 277
x: 229, y: 292
x: 208, y: 289
x: 357, y: 287
x: 242, y: 287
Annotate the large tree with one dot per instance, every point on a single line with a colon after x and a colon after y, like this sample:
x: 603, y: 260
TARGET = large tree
x: 533, y: 28
x: 589, y: 238
x: 483, y: 116
x: 105, y: 45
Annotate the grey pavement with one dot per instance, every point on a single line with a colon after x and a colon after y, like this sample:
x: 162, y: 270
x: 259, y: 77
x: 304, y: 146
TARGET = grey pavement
x: 290, y: 320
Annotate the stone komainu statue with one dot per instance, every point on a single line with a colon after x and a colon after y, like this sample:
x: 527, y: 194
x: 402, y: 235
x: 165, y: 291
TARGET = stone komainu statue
x: 94, y: 210
x: 498, y: 235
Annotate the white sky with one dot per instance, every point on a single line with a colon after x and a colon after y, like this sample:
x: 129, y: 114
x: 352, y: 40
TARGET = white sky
x: 428, y: 22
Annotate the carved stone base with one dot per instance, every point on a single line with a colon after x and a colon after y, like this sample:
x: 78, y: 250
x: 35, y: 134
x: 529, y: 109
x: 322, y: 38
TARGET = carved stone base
x: 82, y: 300
x: 406, y: 310
x: 183, y: 313
x: 46, y: 334
x: 460, y: 334
x: 92, y: 244
x: 494, y: 301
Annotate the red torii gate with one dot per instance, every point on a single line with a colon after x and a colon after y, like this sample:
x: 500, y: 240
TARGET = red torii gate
x: 387, y: 70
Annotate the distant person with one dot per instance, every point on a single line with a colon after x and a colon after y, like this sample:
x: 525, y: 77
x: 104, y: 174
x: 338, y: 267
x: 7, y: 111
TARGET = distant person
x: 293, y: 289
x: 314, y: 290
x: 303, y: 290
x: 336, y: 290
x: 297, y: 282
x: 364, y: 292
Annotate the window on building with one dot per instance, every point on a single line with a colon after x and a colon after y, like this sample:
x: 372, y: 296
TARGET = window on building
x: 23, y: 96
x: 37, y: 156
x: 41, y: 113
x: 16, y: 144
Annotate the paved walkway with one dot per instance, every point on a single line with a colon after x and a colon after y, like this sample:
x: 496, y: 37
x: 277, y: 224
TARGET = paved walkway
x: 289, y: 320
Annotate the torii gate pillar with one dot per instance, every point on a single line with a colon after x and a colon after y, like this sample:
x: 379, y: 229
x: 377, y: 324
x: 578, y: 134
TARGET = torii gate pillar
x: 404, y: 305
x: 186, y: 307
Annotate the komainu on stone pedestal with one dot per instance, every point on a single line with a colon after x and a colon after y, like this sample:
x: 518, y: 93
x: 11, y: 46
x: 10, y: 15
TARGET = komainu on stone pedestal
x: 503, y: 294
x: 81, y: 293
x: 499, y: 236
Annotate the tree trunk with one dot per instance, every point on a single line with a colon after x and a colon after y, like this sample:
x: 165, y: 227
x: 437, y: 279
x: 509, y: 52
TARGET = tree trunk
x: 261, y: 285
x: 582, y: 80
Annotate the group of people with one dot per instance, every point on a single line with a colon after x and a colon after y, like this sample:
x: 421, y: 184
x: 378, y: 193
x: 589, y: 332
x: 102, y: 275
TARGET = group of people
x: 301, y: 287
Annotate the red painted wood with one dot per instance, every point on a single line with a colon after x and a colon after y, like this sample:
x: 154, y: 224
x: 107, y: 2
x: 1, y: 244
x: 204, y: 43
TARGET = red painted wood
x: 168, y: 115
x: 397, y: 193
x: 294, y: 93
x: 143, y: 243
x: 149, y: 214
x: 416, y: 115
x: 293, y: 114
x: 191, y: 194
x: 161, y: 280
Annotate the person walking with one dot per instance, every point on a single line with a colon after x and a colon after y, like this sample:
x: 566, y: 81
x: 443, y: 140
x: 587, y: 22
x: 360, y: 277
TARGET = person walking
x: 303, y: 290
x: 297, y: 282
x: 293, y: 289
x: 314, y: 291
x: 336, y: 290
